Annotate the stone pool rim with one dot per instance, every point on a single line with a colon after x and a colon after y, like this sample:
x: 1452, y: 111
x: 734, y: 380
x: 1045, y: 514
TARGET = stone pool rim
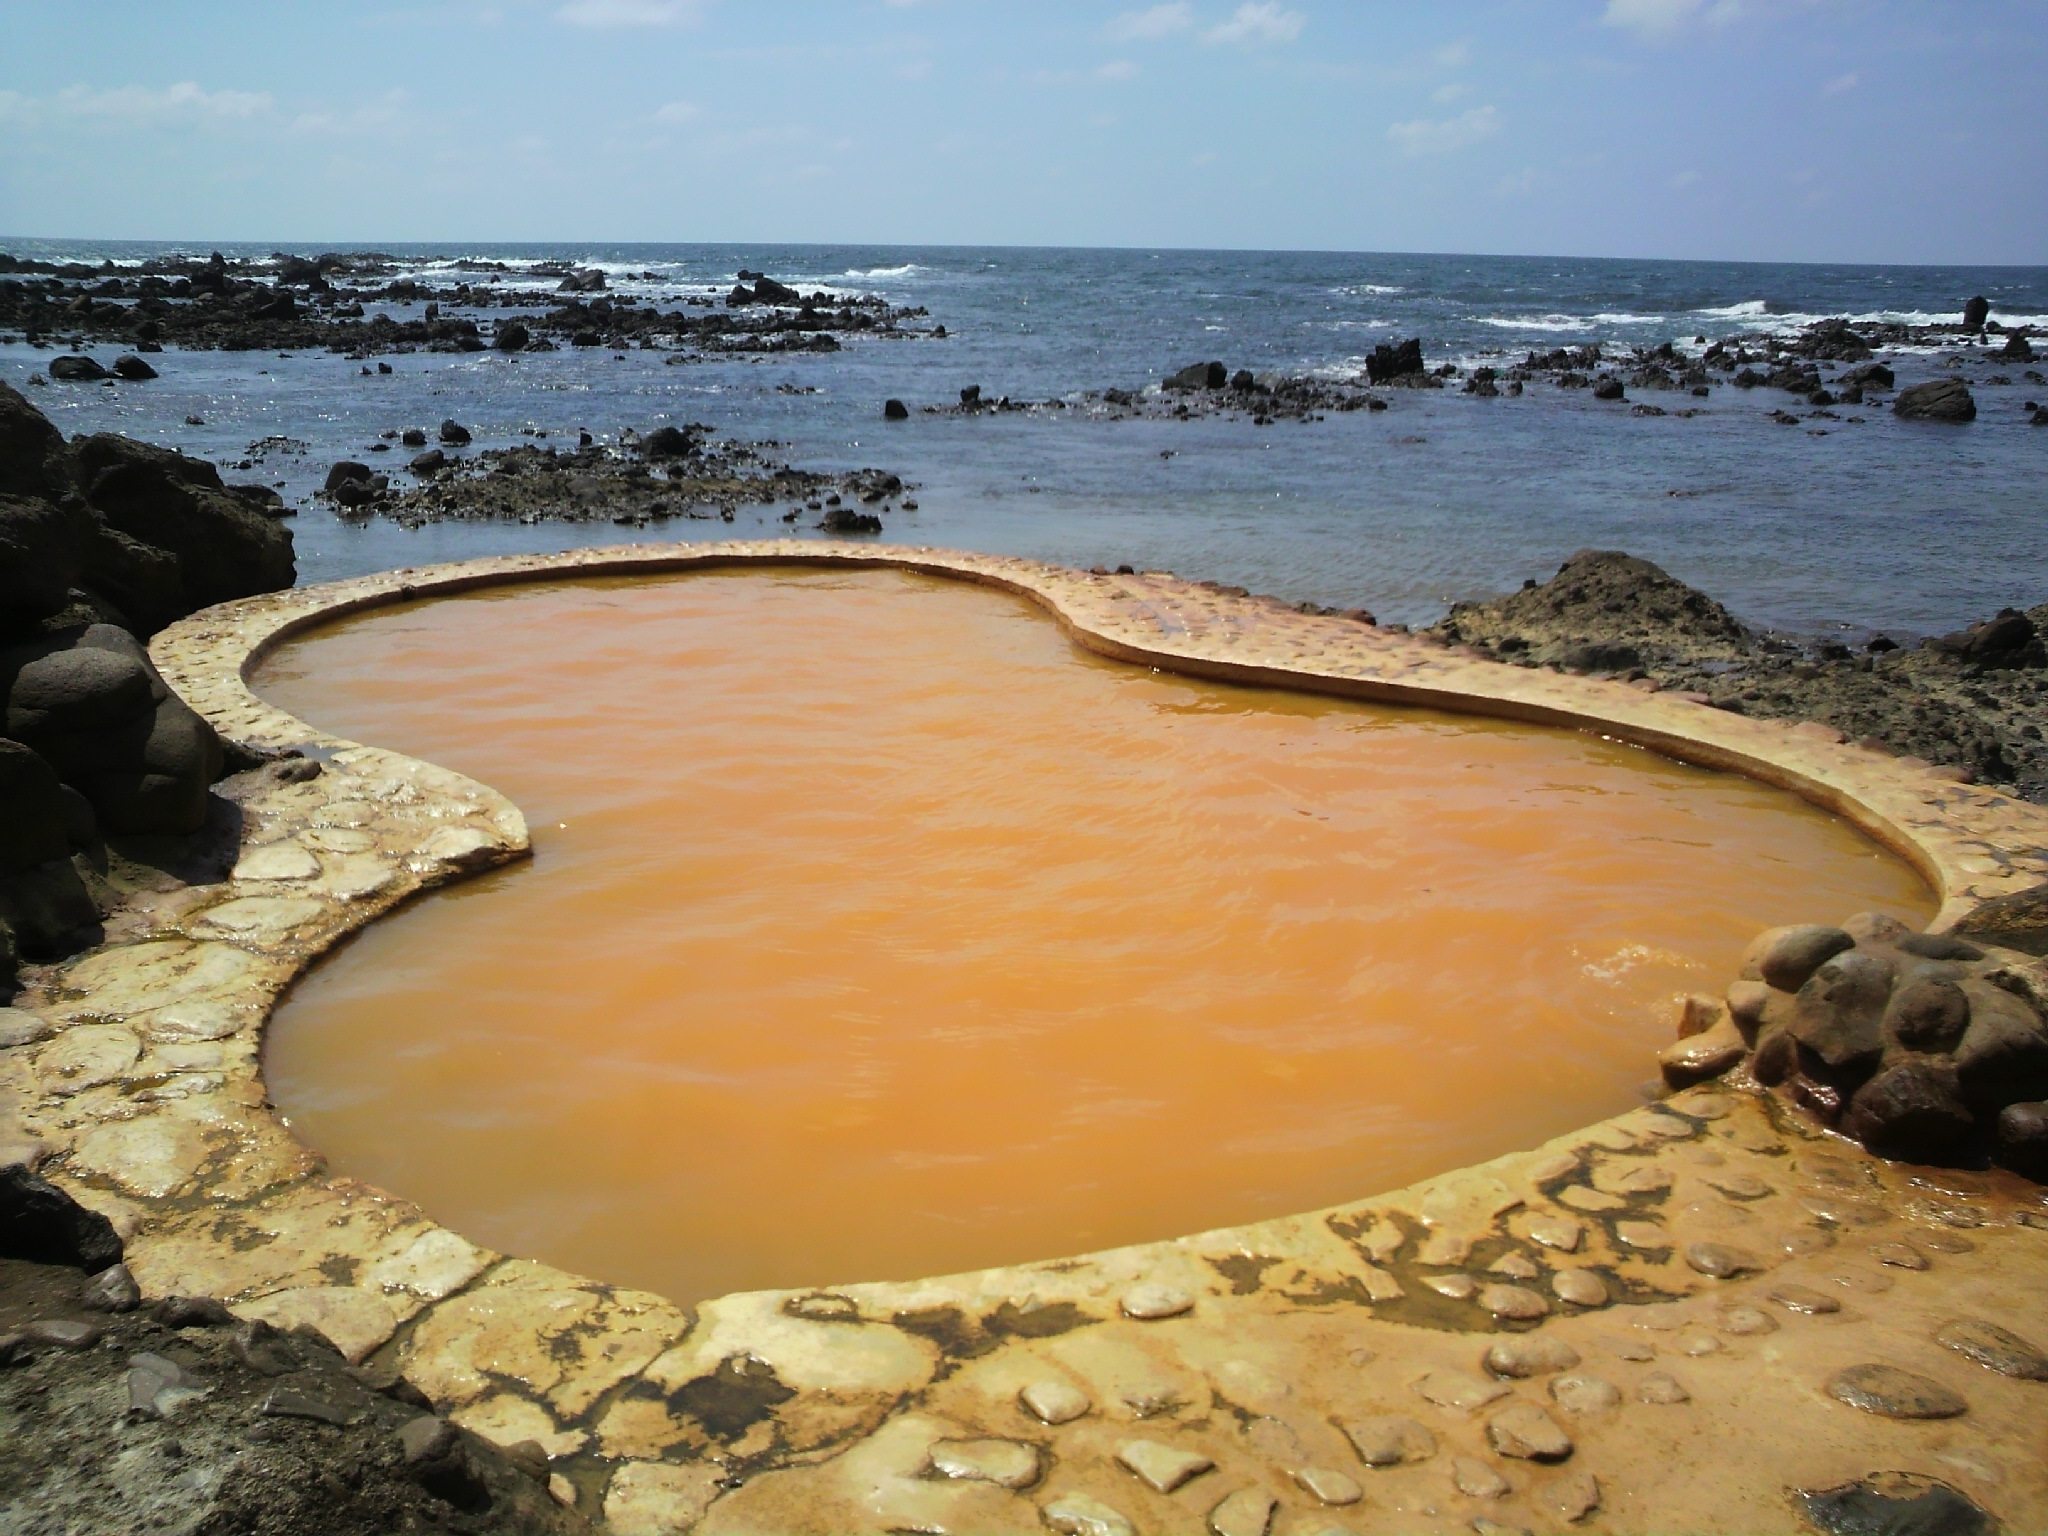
x: 214, y: 1195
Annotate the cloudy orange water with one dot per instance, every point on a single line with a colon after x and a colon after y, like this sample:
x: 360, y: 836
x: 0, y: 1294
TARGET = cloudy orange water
x: 873, y: 930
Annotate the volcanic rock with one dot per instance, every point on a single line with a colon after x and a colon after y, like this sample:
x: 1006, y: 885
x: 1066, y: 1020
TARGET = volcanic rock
x: 1946, y: 400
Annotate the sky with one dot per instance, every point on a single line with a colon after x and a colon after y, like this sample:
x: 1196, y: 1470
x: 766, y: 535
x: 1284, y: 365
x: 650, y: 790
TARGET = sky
x: 1776, y: 130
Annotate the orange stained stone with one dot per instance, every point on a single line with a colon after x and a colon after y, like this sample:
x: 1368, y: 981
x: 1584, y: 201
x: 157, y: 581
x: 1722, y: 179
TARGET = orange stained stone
x: 875, y: 930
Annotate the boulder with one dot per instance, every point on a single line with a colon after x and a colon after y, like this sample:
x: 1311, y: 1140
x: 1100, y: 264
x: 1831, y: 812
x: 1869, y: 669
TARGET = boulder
x: 2003, y: 1055
x: 74, y: 369
x: 1927, y: 1014
x: 895, y: 410
x: 1869, y: 376
x: 740, y: 297
x: 1608, y: 388
x: 1839, y: 1012
x: 583, y: 280
x: 159, y: 497
x: 133, y: 368
x: 769, y: 291
x: 1199, y: 376
x: 1975, y: 312
x: 344, y: 471
x: 1393, y: 362
x: 668, y: 443
x: 413, y: 437
x: 511, y: 336
x: 40, y: 559
x: 1913, y: 1111
x: 1785, y: 957
x: 2023, y: 1140
x: 1244, y: 381
x: 432, y: 462
x: 454, y: 434
x: 1945, y: 400
x: 33, y: 458
x: 141, y: 583
x: 32, y: 810
x: 2017, y: 349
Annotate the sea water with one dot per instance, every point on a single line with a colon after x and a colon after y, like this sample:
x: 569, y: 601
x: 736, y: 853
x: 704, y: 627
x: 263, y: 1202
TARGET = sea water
x: 1845, y: 523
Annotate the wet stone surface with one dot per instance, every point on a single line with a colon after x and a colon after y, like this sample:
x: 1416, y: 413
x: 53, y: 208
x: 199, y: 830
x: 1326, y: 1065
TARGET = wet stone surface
x: 1896, y: 1393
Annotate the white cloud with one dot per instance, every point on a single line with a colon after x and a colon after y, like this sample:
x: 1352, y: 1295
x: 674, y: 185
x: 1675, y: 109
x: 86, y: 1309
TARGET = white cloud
x: 1839, y: 84
x: 1444, y: 95
x: 1117, y: 69
x: 141, y: 103
x: 1453, y: 55
x: 1150, y: 26
x: 1656, y: 20
x: 1265, y: 22
x: 678, y: 112
x: 608, y: 14
x: 1424, y: 137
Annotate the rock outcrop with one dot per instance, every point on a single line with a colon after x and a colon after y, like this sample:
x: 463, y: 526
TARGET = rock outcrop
x: 103, y: 540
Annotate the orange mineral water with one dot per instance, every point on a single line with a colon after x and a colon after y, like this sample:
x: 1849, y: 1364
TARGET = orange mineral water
x: 875, y: 930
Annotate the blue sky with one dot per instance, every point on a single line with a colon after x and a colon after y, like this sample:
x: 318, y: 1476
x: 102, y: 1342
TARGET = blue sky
x: 1833, y: 130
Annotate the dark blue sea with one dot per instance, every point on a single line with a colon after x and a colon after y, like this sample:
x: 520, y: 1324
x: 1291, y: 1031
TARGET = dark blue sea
x: 1857, y: 522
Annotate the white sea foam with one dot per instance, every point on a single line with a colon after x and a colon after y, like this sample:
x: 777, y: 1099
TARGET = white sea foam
x: 902, y: 271
x: 1568, y: 323
x: 1748, y: 309
x: 1372, y: 290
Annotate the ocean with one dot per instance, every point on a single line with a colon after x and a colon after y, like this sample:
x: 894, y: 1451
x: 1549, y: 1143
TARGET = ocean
x: 1842, y: 524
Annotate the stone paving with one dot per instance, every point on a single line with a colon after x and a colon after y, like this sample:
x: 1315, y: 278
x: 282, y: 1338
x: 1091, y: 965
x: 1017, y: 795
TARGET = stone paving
x: 1678, y: 1319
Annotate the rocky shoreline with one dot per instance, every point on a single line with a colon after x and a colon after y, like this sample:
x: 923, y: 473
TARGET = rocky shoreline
x: 297, y: 303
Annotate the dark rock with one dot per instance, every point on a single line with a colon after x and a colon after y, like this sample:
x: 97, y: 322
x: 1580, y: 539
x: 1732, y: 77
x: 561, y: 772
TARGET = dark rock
x: 583, y: 280
x: 322, y: 1398
x: 111, y: 1290
x: 54, y: 693
x: 511, y: 336
x: 971, y: 395
x: 2023, y: 1140
x: 192, y: 1312
x: 1243, y: 381
x: 1786, y: 957
x: 845, y: 520
x: 439, y: 1460
x: 740, y: 297
x: 41, y: 545
x: 1895, y: 1504
x: 432, y: 462
x: 1994, y: 1348
x: 1393, y: 362
x: 667, y: 442
x: 1839, y: 1012
x: 1937, y: 400
x: 1601, y: 597
x: 42, y: 1224
x: 895, y: 410
x: 1896, y: 1394
x: 2017, y: 349
x: 1940, y: 946
x: 413, y: 437
x: 1927, y: 1014
x: 1600, y: 656
x: 1869, y: 376
x: 1913, y: 1111
x: 133, y: 368
x: 2003, y: 1056
x: 1975, y: 312
x: 1199, y: 376
x: 769, y: 291
x: 161, y: 498
x: 32, y: 810
x: 454, y: 434
x: 345, y: 471
x: 76, y: 370
x: 34, y: 461
x: 1608, y: 388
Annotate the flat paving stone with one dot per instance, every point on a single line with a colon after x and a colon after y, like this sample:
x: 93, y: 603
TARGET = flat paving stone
x: 1457, y: 1287
x: 1900, y: 1256
x: 1326, y: 1485
x: 1661, y: 1389
x: 1746, y: 1322
x: 1996, y: 1348
x: 1739, y: 1186
x: 1161, y: 1467
x: 1247, y: 1512
x: 1525, y: 1431
x: 1515, y: 1265
x: 1573, y: 1496
x: 1895, y: 1393
x: 1054, y: 1402
x: 1646, y: 1235
x: 1076, y: 1514
x: 1804, y: 1299
x: 1459, y: 1392
x: 1515, y: 1302
x: 62, y: 1332
x: 1721, y: 1261
x: 1006, y: 1463
x: 1580, y: 1287
x: 1592, y: 1201
x: 1150, y: 1302
x: 1582, y: 1395
x: 1529, y: 1354
x: 1557, y: 1232
x: 1476, y: 1479
x: 1389, y: 1439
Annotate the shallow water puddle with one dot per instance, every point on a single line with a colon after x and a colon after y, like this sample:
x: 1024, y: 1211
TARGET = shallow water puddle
x: 874, y: 931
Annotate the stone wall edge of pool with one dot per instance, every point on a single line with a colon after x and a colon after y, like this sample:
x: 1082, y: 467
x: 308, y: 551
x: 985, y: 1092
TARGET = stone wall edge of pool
x: 918, y: 1404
